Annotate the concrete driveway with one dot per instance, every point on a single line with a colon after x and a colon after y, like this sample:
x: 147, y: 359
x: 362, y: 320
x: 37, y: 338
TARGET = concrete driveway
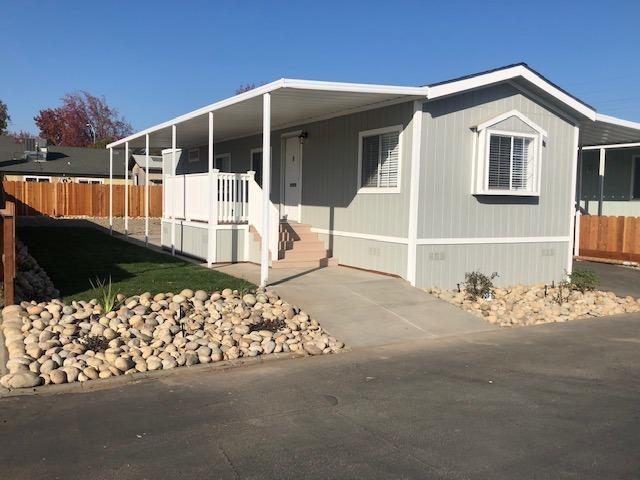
x: 365, y: 309
x: 557, y: 401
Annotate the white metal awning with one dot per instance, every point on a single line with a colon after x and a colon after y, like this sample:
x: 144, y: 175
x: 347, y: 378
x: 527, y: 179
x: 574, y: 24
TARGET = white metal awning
x: 608, y: 131
x: 293, y: 102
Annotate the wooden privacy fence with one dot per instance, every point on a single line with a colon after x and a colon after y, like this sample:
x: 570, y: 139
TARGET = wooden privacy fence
x: 80, y: 199
x: 610, y: 237
x: 8, y: 240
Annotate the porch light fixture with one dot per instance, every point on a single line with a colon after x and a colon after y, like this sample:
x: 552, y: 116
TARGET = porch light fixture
x: 303, y: 135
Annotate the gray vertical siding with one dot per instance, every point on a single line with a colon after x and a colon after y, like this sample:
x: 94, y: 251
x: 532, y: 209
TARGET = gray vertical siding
x: 330, y: 198
x: 230, y: 245
x: 449, y: 210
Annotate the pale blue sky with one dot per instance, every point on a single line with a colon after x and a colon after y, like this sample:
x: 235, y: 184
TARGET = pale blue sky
x: 153, y: 60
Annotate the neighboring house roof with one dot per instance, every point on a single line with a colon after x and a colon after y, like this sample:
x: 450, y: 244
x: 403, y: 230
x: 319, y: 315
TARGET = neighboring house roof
x: 63, y: 162
x: 10, y: 149
x: 155, y: 162
x: 301, y: 101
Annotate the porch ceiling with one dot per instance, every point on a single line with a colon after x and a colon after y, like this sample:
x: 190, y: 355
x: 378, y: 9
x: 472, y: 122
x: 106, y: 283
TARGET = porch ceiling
x: 606, y: 130
x: 289, y: 106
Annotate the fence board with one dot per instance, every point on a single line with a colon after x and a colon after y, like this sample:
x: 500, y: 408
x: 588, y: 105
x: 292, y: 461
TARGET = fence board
x: 79, y: 199
x: 8, y: 248
x: 610, y: 237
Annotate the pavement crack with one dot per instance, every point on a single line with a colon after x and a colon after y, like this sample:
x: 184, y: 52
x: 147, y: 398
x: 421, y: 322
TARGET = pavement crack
x: 388, y: 442
x: 228, y: 460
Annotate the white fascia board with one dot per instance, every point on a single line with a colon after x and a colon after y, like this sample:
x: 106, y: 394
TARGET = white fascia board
x: 512, y: 113
x: 354, y: 87
x: 479, y: 81
x: 611, y: 145
x: 617, y: 121
x: 270, y: 87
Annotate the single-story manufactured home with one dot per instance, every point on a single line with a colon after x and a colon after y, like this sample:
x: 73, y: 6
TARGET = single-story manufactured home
x: 426, y: 183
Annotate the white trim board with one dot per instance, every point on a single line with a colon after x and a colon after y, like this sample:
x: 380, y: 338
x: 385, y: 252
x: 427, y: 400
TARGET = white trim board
x: 205, y: 225
x: 363, y: 236
x: 489, y: 240
x: 442, y: 241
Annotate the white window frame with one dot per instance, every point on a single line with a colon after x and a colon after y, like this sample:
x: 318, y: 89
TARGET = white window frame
x: 90, y: 180
x: 380, y: 131
x: 481, y: 156
x: 36, y: 178
x: 221, y: 156
x: 197, y: 158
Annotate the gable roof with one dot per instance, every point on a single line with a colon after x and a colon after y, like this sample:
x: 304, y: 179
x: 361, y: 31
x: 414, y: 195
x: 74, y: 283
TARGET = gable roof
x: 65, y: 162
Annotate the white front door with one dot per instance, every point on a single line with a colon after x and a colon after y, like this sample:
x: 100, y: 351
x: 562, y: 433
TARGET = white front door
x: 292, y: 179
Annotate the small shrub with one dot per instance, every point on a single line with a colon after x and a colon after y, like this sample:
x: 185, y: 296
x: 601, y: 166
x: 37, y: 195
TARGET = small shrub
x: 97, y: 343
x: 478, y: 285
x: 105, y: 294
x: 270, y: 325
x: 582, y: 280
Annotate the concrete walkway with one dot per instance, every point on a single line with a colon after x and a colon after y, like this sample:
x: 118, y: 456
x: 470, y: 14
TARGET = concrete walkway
x: 362, y: 308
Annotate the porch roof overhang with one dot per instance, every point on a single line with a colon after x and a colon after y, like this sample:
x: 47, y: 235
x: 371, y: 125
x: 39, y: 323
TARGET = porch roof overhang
x: 294, y: 102
x: 609, y: 132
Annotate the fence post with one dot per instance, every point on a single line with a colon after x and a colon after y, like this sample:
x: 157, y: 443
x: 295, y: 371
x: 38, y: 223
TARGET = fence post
x: 576, y: 234
x: 9, y: 251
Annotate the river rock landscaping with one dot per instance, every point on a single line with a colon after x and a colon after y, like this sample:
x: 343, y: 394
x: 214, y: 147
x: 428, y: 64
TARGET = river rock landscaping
x: 51, y: 342
x: 535, y: 304
x: 31, y: 281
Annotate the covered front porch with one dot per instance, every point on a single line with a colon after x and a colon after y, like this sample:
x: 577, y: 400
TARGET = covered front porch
x: 233, y: 170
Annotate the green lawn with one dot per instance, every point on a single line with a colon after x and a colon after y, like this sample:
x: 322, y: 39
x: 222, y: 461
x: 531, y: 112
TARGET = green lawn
x: 72, y: 256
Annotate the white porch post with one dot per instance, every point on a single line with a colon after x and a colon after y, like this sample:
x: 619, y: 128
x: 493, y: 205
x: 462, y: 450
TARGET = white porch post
x: 126, y: 188
x: 146, y: 192
x: 414, y: 189
x: 174, y: 135
x: 266, y: 187
x: 111, y: 191
x: 213, y: 201
x: 601, y: 168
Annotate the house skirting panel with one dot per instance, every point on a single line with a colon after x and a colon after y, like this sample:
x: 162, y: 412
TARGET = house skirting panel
x: 192, y: 240
x: 382, y: 256
x: 516, y: 263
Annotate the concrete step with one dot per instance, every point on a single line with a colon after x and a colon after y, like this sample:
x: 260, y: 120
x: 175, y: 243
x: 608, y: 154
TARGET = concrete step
x: 295, y: 236
x: 301, y: 245
x: 303, y: 254
x: 323, y: 262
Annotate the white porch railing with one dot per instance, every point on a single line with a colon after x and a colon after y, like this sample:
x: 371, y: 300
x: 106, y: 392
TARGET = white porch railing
x: 187, y: 197
x: 239, y: 200
x: 233, y: 197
